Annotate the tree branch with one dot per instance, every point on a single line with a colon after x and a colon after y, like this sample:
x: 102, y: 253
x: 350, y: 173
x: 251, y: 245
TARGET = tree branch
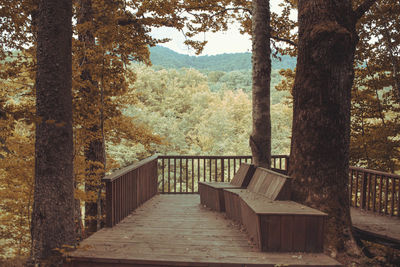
x: 284, y: 40
x: 211, y: 8
x: 125, y: 22
x: 364, y: 7
x: 136, y: 22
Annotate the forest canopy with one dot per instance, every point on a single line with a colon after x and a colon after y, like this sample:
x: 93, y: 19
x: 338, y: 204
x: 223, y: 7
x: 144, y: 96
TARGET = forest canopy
x: 211, y: 109
x: 124, y: 109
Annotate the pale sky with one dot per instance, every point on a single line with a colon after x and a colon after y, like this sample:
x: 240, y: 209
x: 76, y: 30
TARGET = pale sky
x: 218, y: 43
x: 230, y: 41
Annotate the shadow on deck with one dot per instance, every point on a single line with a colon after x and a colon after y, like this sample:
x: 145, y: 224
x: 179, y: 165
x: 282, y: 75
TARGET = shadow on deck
x: 175, y: 230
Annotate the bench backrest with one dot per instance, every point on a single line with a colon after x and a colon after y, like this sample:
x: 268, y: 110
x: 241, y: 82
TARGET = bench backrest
x: 243, y: 176
x: 271, y: 184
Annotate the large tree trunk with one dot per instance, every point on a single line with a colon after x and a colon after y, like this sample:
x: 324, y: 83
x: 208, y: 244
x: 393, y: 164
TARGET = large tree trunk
x: 260, y: 139
x: 319, y: 159
x: 94, y: 145
x: 53, y: 208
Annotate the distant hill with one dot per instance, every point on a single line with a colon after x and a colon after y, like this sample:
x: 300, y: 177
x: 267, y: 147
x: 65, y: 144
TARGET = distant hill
x: 167, y: 58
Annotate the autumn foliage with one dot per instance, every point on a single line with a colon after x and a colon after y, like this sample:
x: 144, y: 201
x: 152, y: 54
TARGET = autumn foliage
x: 124, y: 112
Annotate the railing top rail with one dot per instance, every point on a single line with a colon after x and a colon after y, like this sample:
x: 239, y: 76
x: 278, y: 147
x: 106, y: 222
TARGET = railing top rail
x: 386, y: 174
x: 201, y: 157
x: 279, y: 156
x: 212, y: 157
x: 118, y: 173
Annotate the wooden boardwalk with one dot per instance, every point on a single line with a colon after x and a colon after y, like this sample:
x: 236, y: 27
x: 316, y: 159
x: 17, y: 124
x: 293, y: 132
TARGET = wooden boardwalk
x: 378, y: 228
x: 175, y: 230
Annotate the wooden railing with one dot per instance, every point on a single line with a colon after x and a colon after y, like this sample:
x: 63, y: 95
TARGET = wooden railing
x: 375, y: 191
x: 128, y: 188
x: 181, y: 174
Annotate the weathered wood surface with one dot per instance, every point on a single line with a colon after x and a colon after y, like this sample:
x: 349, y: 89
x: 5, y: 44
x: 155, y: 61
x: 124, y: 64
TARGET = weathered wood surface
x: 377, y: 228
x: 174, y: 230
x: 263, y: 205
x: 243, y: 175
x: 273, y: 222
x: 211, y: 193
x: 276, y: 225
x: 271, y: 184
x: 128, y: 188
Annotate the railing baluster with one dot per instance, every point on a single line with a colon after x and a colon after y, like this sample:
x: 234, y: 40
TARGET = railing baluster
x: 198, y: 173
x: 120, y: 200
x: 369, y: 191
x: 222, y: 170
x: 216, y: 170
x: 192, y: 175
x: 114, y: 206
x: 356, y: 196
x: 187, y: 178
x: 204, y: 169
x: 174, y: 175
x: 351, y: 188
x: 123, y: 195
x: 374, y: 194
x: 229, y: 169
x: 169, y: 175
x: 386, y: 194
x: 210, y: 169
x: 392, y: 197
x: 162, y: 164
x: 180, y: 175
x: 380, y: 194
x: 398, y: 198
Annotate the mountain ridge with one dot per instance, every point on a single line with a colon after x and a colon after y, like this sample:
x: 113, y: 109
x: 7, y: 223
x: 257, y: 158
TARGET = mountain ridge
x: 167, y: 58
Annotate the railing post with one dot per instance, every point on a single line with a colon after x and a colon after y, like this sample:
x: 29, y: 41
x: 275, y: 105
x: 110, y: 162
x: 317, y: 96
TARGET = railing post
x: 363, y: 190
x: 109, y: 204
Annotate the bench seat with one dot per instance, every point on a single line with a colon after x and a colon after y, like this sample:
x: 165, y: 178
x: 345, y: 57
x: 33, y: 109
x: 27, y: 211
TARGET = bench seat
x: 211, y: 193
x: 275, y: 225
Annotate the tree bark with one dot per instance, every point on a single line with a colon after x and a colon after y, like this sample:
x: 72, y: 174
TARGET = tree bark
x: 96, y: 160
x: 260, y: 139
x: 319, y: 159
x: 94, y: 147
x: 53, y: 208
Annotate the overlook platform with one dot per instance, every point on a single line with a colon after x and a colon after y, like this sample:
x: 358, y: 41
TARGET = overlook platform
x: 175, y: 230
x: 154, y: 217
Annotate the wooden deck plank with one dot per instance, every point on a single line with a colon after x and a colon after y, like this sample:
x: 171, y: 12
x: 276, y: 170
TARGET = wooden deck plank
x: 261, y: 205
x: 378, y: 228
x: 175, y: 230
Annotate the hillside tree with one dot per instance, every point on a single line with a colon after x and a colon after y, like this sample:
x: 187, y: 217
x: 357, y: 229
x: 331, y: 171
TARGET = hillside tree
x: 375, y: 94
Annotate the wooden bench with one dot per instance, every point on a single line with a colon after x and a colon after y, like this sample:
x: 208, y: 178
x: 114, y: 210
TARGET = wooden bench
x: 273, y: 221
x: 211, y: 193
